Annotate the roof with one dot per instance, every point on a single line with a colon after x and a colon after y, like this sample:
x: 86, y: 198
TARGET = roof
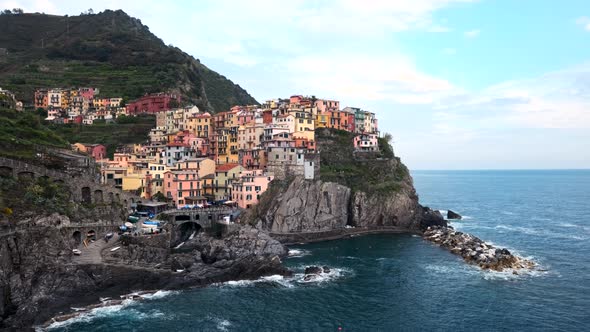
x: 225, y: 167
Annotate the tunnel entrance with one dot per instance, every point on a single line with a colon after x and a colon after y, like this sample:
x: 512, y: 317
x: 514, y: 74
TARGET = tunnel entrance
x: 188, y: 230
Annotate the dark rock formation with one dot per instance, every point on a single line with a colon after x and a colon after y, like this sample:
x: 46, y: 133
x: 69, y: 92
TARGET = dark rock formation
x: 475, y: 251
x: 313, y: 270
x: 39, y: 278
x: 453, y: 215
x: 316, y: 206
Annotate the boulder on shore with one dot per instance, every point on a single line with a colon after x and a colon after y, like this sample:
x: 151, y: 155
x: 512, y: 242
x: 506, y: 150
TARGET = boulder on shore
x: 453, y: 215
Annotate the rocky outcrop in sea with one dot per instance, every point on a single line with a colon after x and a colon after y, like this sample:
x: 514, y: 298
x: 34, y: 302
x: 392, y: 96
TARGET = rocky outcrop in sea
x: 476, y: 251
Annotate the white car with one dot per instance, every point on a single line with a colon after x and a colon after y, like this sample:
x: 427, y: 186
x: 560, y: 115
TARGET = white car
x: 76, y: 252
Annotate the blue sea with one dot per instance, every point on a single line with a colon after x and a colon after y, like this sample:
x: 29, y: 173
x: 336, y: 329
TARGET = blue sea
x: 400, y: 282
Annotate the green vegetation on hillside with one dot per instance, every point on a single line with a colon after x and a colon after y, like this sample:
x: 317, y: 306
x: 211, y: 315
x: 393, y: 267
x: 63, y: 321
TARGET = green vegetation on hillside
x: 23, y: 134
x: 111, y: 51
x: 40, y: 195
x: 127, y: 130
x: 372, y: 173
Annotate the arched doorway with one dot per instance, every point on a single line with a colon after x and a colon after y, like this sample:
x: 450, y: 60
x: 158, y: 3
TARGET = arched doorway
x: 86, y: 198
x: 98, y: 199
x: 77, y: 238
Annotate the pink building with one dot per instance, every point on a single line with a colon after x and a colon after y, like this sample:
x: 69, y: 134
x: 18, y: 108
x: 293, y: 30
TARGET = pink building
x: 366, y: 143
x: 247, y: 190
x: 182, y: 187
x: 324, y: 105
x: 87, y: 93
x: 245, y: 117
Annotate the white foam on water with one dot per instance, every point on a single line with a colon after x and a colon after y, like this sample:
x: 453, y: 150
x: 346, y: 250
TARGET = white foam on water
x: 348, y: 257
x: 274, y: 279
x: 334, y: 274
x: 157, y: 295
x: 105, y: 311
x: 296, y: 253
x: 467, y: 217
x: 278, y: 279
x: 221, y: 323
x: 567, y: 225
x: 525, y: 230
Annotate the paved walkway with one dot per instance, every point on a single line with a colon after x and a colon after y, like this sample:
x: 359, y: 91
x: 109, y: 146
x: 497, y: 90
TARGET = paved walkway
x: 92, y: 253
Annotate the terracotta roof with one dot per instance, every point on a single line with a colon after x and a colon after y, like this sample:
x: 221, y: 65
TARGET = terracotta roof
x: 225, y: 167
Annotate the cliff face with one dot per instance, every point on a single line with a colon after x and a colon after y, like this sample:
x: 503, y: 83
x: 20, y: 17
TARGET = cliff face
x: 362, y: 191
x: 317, y: 206
x: 39, y: 277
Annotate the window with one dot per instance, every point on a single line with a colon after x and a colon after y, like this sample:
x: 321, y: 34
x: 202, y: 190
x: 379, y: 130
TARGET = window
x: 257, y: 188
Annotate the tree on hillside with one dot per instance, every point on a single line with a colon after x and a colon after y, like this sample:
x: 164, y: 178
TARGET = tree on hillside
x: 388, y: 138
x: 6, y: 12
x: 17, y: 11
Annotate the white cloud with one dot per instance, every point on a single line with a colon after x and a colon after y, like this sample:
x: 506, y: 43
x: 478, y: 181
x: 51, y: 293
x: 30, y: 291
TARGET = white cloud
x: 449, y: 51
x: 584, y: 22
x: 352, y: 76
x: 559, y: 99
x: 472, y: 33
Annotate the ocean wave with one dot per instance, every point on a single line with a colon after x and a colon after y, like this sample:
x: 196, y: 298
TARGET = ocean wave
x: 157, y: 295
x: 221, y: 323
x: 276, y: 279
x: 335, y: 273
x: 525, y: 230
x: 289, y: 282
x: 106, y: 311
x: 543, y: 232
x: 296, y: 253
x: 348, y: 257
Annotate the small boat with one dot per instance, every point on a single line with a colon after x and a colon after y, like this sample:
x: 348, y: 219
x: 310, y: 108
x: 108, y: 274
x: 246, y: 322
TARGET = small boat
x: 76, y: 252
x: 115, y: 248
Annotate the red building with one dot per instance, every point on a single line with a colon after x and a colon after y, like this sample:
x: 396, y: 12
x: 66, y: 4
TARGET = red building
x: 153, y: 103
x: 267, y: 116
x: 97, y: 151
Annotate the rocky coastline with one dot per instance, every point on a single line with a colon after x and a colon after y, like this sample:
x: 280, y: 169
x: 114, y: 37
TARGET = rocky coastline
x: 475, y: 251
x: 40, y: 279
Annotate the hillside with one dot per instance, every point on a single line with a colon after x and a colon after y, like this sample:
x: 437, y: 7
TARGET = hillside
x: 109, y: 50
x: 23, y: 134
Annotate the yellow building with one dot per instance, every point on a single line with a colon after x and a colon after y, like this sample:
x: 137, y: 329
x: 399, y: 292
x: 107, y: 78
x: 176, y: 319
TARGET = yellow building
x: 224, y: 176
x: 200, y: 125
x: 132, y: 182
x: 322, y: 120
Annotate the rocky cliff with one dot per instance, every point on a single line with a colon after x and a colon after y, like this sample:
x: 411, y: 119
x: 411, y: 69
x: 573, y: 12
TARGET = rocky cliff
x: 40, y: 278
x: 358, y: 192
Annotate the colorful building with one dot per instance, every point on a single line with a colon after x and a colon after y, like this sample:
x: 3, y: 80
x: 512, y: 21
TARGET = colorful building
x: 153, y: 103
x: 247, y: 189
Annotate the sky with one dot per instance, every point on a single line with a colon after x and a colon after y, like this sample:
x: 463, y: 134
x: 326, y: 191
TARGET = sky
x: 460, y: 84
